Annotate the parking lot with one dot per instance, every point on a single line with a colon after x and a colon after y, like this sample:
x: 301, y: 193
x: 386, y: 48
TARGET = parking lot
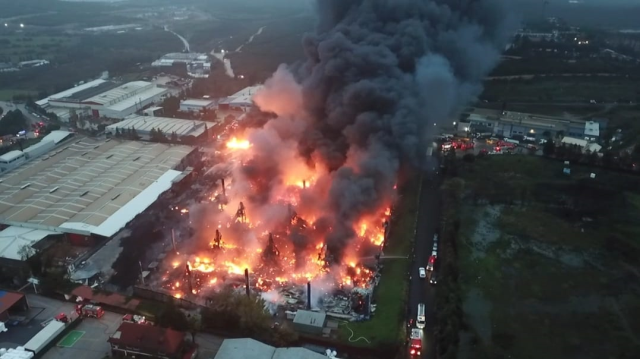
x: 88, y: 340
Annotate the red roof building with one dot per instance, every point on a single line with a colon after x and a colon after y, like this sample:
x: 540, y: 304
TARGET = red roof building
x: 11, y: 301
x: 140, y: 341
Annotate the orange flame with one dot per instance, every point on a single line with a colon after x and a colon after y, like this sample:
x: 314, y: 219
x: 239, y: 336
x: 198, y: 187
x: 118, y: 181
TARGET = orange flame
x: 236, y: 144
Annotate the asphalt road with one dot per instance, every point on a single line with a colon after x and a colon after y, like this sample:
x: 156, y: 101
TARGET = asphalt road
x: 420, y: 290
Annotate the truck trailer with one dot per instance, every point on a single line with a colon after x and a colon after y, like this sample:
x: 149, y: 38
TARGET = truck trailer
x: 45, y: 336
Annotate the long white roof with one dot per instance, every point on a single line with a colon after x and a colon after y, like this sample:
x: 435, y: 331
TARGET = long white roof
x: 89, y: 186
x: 71, y: 91
x: 130, y: 210
x: 165, y: 124
x: 119, y: 93
x: 246, y: 348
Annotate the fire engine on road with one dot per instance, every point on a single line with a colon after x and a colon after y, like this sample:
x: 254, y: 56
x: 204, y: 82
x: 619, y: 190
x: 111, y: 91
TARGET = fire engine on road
x: 89, y: 311
x: 415, y: 342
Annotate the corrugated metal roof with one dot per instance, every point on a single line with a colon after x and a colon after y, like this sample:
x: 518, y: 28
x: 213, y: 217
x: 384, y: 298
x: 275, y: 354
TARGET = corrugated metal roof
x: 71, y: 91
x: 165, y: 124
x: 119, y: 93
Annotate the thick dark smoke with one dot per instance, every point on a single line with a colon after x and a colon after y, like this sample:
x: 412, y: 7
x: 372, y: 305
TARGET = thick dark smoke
x: 379, y: 74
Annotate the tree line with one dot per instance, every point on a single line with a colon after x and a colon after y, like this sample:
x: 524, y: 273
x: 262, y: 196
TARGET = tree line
x: 619, y: 160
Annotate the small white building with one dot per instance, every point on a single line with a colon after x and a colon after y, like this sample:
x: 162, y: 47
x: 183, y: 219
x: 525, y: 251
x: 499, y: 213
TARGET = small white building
x: 197, y: 105
x: 584, y: 144
x: 241, y: 100
x: 591, y: 130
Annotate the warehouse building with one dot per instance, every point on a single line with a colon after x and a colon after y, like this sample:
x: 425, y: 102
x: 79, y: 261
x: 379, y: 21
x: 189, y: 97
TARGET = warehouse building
x: 197, y: 105
x: 145, y: 124
x: 511, y: 124
x: 241, y: 100
x: 125, y: 100
x: 104, y: 99
x: 98, y: 84
x: 252, y: 349
x: 86, y: 191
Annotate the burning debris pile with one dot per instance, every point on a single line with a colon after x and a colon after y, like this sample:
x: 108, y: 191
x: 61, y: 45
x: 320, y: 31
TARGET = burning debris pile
x: 307, y: 196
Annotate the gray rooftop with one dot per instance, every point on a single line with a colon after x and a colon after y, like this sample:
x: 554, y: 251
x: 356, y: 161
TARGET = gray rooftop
x: 85, y: 181
x: 252, y: 349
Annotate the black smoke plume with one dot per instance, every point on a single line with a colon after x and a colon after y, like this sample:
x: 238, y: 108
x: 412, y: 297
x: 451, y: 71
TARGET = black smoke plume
x: 380, y: 75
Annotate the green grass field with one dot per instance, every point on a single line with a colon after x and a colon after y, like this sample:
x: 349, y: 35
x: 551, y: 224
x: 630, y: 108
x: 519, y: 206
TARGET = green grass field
x: 16, y: 48
x: 70, y: 339
x: 385, y: 328
x: 563, y: 89
x: 548, y: 276
x: 7, y: 95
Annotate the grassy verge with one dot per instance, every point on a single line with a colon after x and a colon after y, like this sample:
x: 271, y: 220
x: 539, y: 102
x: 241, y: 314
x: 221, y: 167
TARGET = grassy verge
x: 7, y: 95
x: 386, y: 328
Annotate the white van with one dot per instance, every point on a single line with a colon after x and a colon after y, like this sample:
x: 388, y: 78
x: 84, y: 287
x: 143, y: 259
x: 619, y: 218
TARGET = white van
x: 421, y: 322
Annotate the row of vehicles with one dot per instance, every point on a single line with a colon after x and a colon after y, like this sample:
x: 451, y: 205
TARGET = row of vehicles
x: 416, y: 338
x: 429, y: 271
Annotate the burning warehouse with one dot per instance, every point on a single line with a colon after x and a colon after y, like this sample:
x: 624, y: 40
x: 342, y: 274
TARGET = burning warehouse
x: 307, y: 196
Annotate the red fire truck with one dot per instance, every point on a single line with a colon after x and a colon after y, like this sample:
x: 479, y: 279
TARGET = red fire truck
x: 415, y: 342
x: 89, y: 311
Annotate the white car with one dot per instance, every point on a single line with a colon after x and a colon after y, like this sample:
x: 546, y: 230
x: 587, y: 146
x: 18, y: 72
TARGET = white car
x: 435, y: 246
x: 423, y: 272
x: 435, y: 238
x: 434, y: 253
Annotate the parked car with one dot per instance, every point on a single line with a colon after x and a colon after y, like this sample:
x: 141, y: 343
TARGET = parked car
x: 423, y: 272
x: 433, y: 279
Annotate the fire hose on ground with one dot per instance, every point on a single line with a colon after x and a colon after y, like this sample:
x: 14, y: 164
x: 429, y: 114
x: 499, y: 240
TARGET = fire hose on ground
x: 351, y: 340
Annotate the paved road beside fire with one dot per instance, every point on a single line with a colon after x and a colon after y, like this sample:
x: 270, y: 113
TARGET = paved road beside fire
x: 421, y: 291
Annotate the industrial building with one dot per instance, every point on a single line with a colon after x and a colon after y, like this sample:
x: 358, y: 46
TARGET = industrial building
x: 241, y: 100
x: 133, y: 340
x: 99, y: 83
x: 85, y: 190
x: 179, y: 58
x: 101, y: 98
x: 197, y: 105
x: 144, y: 124
x: 510, y: 124
x: 198, y: 65
x: 252, y: 349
